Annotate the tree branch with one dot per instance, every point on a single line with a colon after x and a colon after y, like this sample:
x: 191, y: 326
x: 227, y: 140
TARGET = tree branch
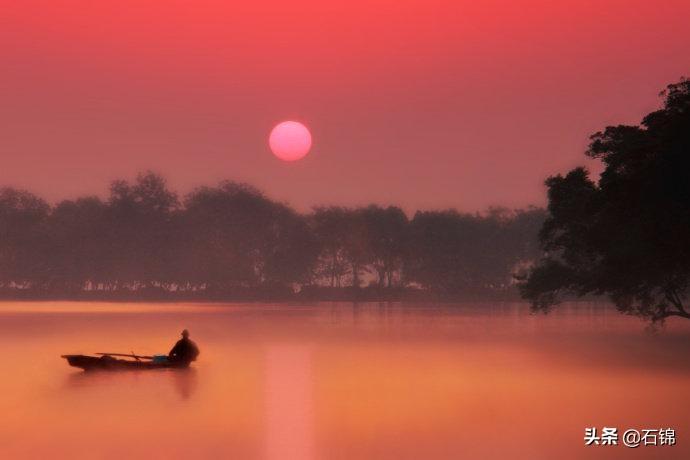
x: 673, y: 297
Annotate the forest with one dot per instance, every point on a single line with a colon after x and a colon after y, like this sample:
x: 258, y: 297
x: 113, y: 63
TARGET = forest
x: 230, y: 241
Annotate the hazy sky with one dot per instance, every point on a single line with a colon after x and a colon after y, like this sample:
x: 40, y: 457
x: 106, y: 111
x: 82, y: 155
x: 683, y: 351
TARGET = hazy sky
x: 424, y: 103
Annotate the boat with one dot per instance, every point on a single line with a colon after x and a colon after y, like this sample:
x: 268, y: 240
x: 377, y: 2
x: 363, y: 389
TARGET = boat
x: 107, y: 362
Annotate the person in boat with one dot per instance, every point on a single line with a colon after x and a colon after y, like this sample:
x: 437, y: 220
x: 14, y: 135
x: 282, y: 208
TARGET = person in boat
x: 185, y: 351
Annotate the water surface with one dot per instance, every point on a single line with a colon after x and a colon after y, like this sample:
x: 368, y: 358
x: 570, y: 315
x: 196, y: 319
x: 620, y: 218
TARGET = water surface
x: 340, y: 381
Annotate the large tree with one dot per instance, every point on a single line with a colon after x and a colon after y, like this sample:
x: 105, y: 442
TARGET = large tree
x: 140, y: 227
x: 342, y: 244
x: 626, y: 235
x: 451, y: 253
x: 233, y: 236
x: 79, y: 251
x: 23, y: 239
x: 386, y: 233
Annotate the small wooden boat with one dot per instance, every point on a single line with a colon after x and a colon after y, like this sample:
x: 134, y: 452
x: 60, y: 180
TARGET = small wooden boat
x: 109, y: 363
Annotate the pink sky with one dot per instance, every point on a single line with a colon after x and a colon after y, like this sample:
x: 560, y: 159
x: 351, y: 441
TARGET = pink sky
x: 428, y: 104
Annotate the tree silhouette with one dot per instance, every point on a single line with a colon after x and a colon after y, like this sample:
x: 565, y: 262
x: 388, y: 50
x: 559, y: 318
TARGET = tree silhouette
x: 332, y: 227
x: 235, y: 237
x: 139, y: 230
x: 79, y: 249
x: 452, y: 253
x: 231, y: 241
x: 23, y: 239
x: 625, y: 235
x: 387, y: 238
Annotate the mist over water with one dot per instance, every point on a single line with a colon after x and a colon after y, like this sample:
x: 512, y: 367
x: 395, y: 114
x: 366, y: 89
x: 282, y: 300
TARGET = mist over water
x: 340, y: 381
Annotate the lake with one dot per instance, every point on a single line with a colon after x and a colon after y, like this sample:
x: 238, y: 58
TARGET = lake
x: 341, y: 381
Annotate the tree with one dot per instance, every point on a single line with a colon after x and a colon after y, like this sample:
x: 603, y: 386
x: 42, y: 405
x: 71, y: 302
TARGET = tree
x: 23, y: 239
x: 331, y: 227
x: 236, y: 237
x: 78, y: 253
x: 386, y: 230
x: 356, y: 245
x: 222, y: 228
x: 515, y: 247
x: 452, y: 253
x: 287, y: 248
x: 231, y: 240
x: 445, y: 248
x: 140, y: 218
x: 627, y: 235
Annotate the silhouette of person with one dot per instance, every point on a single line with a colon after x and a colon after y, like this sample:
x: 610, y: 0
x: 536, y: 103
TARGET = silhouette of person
x: 184, y: 352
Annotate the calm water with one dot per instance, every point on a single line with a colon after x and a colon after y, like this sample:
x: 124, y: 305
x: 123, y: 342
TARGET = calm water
x: 333, y: 381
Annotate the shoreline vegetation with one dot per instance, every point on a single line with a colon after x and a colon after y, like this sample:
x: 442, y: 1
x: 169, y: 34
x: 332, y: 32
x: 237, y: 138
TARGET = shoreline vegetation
x: 231, y: 242
x: 307, y: 294
x: 623, y: 234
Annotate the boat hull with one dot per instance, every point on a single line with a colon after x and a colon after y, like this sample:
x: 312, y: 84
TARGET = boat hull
x: 108, y: 363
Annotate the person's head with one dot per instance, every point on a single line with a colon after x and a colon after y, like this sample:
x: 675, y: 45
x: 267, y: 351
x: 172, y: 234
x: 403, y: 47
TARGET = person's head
x: 185, y: 333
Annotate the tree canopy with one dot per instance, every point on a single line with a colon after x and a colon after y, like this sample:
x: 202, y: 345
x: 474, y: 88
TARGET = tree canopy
x: 231, y: 241
x: 627, y: 234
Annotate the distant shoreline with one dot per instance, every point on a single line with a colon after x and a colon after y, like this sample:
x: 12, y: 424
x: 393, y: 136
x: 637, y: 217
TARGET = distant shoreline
x: 319, y: 294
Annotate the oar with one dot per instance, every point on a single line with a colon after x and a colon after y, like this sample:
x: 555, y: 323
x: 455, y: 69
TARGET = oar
x: 137, y: 357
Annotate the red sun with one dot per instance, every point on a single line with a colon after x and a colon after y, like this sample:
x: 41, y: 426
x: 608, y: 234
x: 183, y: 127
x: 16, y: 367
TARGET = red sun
x: 290, y: 140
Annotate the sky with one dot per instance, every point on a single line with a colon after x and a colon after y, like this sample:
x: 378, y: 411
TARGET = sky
x: 421, y: 103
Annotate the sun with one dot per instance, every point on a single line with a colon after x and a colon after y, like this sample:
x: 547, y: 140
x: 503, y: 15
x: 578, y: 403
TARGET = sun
x: 290, y: 140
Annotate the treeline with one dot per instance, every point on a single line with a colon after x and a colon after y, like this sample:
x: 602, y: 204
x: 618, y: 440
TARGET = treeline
x: 232, y: 242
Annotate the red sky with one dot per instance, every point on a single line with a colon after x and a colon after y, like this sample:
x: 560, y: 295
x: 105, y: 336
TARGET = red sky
x: 424, y: 103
